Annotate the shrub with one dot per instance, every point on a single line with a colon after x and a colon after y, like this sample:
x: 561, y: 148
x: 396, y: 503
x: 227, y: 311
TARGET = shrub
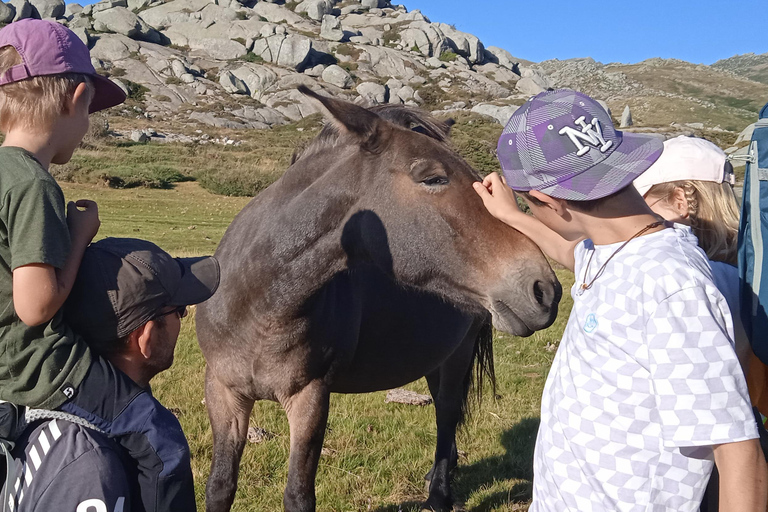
x: 432, y: 95
x: 252, y: 57
x: 173, y: 80
x: 390, y: 37
x: 239, y: 40
x: 117, y: 72
x: 448, y: 56
x: 241, y: 15
x: 236, y: 183
x: 136, y: 91
x: 162, y: 97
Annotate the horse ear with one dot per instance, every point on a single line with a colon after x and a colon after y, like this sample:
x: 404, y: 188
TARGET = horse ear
x: 350, y: 119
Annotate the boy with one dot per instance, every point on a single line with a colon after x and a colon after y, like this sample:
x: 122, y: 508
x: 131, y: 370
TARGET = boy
x: 48, y: 86
x: 645, y: 389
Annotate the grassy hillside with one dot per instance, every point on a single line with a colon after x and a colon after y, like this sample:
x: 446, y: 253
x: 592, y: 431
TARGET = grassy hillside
x: 376, y: 454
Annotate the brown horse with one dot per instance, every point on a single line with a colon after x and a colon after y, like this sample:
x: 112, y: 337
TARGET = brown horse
x: 369, y: 264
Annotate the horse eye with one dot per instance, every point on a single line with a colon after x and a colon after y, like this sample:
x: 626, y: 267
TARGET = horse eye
x: 435, y: 180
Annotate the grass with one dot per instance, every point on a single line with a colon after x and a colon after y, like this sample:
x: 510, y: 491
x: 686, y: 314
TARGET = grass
x: 377, y: 453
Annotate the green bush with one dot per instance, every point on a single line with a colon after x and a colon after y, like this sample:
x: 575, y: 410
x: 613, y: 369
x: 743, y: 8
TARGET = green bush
x: 234, y: 182
x: 173, y: 80
x: 448, y: 56
x: 252, y: 57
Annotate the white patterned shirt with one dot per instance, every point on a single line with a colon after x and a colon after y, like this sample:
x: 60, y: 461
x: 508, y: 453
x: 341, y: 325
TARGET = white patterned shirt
x: 644, y: 383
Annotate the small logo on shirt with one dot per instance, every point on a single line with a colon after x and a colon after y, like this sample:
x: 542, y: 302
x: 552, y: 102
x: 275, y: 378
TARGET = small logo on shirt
x: 68, y: 391
x: 591, y: 323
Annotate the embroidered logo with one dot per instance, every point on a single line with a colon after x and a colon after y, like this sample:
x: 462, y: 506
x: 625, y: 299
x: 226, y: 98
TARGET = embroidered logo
x: 68, y: 390
x: 590, y: 133
x: 591, y: 323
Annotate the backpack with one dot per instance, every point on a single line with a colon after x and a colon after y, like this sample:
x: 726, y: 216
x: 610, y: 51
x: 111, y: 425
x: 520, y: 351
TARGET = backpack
x: 753, y: 235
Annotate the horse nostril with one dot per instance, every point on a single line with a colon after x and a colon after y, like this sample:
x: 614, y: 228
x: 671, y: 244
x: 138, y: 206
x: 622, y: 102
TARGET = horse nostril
x: 547, y: 293
x: 538, y: 292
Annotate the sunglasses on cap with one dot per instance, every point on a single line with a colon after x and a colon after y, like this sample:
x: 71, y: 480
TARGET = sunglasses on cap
x: 180, y: 311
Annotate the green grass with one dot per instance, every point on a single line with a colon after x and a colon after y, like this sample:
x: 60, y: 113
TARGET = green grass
x: 377, y: 453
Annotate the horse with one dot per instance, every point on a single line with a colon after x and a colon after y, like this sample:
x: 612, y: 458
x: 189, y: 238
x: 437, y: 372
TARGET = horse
x: 369, y: 264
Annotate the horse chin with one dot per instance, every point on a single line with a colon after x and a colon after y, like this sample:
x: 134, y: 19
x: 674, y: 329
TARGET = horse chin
x: 504, y: 319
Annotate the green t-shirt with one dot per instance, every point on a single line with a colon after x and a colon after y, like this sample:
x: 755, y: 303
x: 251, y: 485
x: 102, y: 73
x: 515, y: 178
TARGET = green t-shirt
x: 38, y: 364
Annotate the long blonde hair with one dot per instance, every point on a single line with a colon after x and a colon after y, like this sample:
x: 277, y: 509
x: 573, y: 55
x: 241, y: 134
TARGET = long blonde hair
x: 713, y: 213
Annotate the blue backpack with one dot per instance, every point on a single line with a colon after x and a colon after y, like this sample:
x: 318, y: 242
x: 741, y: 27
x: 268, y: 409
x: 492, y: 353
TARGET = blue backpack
x: 753, y: 234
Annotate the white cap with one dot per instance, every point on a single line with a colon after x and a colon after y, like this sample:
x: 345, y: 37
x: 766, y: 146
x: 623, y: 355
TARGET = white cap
x: 686, y: 158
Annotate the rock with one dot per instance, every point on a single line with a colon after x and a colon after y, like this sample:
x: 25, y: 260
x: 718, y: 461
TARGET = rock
x: 7, y: 12
x: 316, y: 9
x: 187, y: 78
x: 178, y: 68
x: 466, y: 45
x: 135, y: 5
x: 405, y: 93
x: 500, y: 113
x: 338, y: 76
x: 208, y: 118
x: 232, y: 84
x: 83, y: 35
x: 605, y: 106
x: 139, y: 136
x: 360, y: 40
x: 503, y: 58
x: 71, y: 9
x: 48, y: 8
x: 122, y: 21
x: 219, y: 49
x: 331, y: 28
x: 107, y: 4
x: 290, y: 51
x: 22, y: 8
x: 169, y: 13
x: 114, y: 47
x: 434, y: 62
x: 373, y: 93
x: 258, y: 435
x: 316, y: 71
x: 257, y: 78
x: 746, y: 134
x: 530, y: 85
x: 80, y: 20
x: 122, y: 85
x: 626, y: 118
x: 371, y: 4
x: 403, y: 396
x: 416, y: 39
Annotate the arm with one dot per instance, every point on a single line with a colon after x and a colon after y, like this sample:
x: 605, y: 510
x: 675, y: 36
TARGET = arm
x: 501, y: 202
x: 743, y: 476
x: 39, y: 290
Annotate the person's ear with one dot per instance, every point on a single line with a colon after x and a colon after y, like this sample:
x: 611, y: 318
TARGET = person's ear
x: 81, y: 98
x: 558, y: 205
x: 145, y: 337
x: 679, y: 202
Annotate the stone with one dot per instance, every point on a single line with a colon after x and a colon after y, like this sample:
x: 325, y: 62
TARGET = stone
x: 530, y: 86
x: 466, y: 45
x: 257, y: 78
x: 114, y: 47
x: 503, y: 58
x: 187, y: 78
x: 373, y: 93
x: 416, y: 39
x: 500, y: 113
x: 626, y: 118
x: 122, y: 85
x: 135, y: 5
x: 107, y: 4
x: 360, y: 40
x: 80, y: 20
x: 338, y: 76
x: 746, y: 134
x: 405, y: 93
x: 139, y: 136
x: 316, y: 71
x: 404, y: 396
x: 22, y: 8
x: 232, y: 84
x: 284, y: 50
x: 316, y: 9
x: 71, y: 9
x: 122, y: 21
x: 83, y: 35
x: 178, y: 68
x: 49, y: 8
x: 371, y: 4
x: 7, y: 12
x: 330, y: 28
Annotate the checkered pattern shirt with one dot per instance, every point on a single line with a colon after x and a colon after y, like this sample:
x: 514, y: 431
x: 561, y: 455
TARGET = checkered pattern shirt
x: 644, y: 382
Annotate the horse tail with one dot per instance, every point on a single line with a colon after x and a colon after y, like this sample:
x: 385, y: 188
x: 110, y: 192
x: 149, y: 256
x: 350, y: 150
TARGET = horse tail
x: 480, y: 369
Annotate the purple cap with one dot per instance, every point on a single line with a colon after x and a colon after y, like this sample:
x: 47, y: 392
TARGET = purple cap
x: 564, y: 144
x: 48, y: 48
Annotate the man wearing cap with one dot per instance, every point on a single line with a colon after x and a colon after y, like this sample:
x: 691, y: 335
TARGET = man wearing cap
x: 645, y: 393
x: 127, y: 302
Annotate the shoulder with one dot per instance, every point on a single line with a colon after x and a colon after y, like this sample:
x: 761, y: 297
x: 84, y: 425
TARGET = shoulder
x: 59, y: 460
x: 673, y: 259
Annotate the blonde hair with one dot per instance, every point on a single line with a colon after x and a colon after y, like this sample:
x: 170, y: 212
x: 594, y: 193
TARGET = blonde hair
x: 713, y: 213
x: 35, y: 103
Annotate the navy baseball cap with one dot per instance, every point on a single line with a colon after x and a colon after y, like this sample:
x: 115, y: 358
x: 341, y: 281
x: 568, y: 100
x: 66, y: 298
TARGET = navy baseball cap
x: 563, y: 143
x: 125, y: 282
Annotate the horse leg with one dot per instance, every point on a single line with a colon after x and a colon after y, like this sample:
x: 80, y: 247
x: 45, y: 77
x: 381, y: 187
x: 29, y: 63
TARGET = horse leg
x: 433, y: 381
x: 228, y: 413
x: 449, y: 390
x: 307, y: 413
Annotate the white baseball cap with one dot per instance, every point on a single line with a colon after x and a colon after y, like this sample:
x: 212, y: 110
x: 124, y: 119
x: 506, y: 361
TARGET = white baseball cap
x: 686, y: 158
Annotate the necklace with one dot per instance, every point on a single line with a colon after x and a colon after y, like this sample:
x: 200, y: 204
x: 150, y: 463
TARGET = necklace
x: 587, y: 286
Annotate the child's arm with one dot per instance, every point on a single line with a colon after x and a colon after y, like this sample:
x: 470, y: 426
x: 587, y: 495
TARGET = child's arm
x: 743, y: 477
x: 39, y: 290
x: 501, y: 202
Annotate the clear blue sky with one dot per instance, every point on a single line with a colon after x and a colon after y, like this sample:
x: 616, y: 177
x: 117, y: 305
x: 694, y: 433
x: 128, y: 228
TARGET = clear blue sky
x: 699, y: 31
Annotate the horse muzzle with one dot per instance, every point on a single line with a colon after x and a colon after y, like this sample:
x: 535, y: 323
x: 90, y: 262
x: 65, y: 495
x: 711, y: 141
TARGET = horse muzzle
x: 526, y: 301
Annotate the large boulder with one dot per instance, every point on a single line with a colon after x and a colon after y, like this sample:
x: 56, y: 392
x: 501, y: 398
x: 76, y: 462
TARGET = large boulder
x: 22, y: 8
x: 338, y: 76
x: 7, y: 12
x: 171, y: 13
x: 466, y: 45
x: 315, y: 9
x: 372, y: 4
x: 72, y: 9
x: 232, y: 84
x: 626, y: 118
x: 331, y: 28
x: 258, y: 78
x: 416, y: 39
x: 277, y: 13
x: 746, y: 134
x: 500, y: 113
x: 104, y: 5
x: 120, y: 20
x: 114, y: 47
x: 49, y: 8
x: 502, y: 57
x: 291, y: 50
x: 372, y: 93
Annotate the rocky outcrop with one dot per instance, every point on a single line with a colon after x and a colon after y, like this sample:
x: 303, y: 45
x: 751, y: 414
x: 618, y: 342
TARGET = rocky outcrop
x: 120, y: 20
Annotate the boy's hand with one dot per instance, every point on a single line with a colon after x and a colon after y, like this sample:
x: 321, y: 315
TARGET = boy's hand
x: 83, y: 224
x: 497, y: 197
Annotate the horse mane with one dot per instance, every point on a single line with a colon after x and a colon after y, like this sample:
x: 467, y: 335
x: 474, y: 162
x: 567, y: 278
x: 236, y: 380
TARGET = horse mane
x: 406, y: 117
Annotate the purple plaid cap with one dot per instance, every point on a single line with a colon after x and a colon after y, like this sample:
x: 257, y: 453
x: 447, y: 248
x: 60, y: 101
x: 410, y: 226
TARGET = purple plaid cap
x: 564, y: 144
x: 48, y: 48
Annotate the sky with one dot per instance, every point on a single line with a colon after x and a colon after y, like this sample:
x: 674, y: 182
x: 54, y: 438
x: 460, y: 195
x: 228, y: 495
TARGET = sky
x: 627, y: 31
